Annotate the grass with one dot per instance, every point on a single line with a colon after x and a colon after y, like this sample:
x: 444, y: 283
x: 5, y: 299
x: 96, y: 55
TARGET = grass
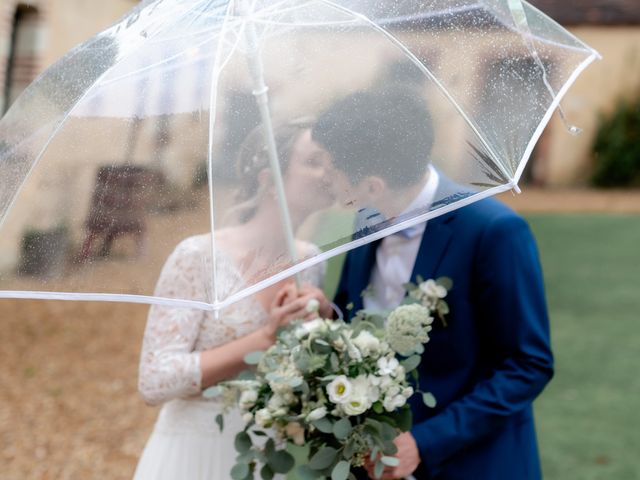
x: 589, y: 416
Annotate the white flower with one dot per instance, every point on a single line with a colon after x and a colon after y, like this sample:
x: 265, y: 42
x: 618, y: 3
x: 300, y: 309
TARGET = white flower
x: 313, y: 305
x: 248, y: 399
x: 407, y: 392
x: 295, y: 431
x: 339, y: 345
x: 367, y: 343
x: 316, y: 414
x: 432, y: 289
x: 263, y: 418
x: 339, y: 389
x: 309, y: 327
x: 407, y: 328
x: 356, y: 405
x: 360, y: 399
x: 353, y: 351
x: 392, y: 402
x: 247, y: 417
x: 387, y: 366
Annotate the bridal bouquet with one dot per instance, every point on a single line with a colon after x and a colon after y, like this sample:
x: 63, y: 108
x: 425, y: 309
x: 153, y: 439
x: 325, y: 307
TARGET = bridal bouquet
x: 336, y: 387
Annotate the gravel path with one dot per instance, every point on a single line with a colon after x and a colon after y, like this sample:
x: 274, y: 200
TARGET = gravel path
x: 69, y: 407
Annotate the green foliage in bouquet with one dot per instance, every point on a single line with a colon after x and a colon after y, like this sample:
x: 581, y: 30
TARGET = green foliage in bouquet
x: 616, y: 148
x: 336, y: 387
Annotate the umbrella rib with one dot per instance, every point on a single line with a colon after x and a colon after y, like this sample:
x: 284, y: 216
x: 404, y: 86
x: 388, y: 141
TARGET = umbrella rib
x: 82, y: 97
x: 218, y: 65
x: 424, y: 69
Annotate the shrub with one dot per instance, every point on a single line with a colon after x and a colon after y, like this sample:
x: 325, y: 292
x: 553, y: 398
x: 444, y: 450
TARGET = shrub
x: 616, y: 148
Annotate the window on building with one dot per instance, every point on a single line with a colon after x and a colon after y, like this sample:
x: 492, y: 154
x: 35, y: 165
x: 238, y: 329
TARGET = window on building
x: 22, y: 63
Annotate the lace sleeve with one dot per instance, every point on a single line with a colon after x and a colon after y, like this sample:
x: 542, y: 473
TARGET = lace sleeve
x: 315, y: 274
x: 169, y: 366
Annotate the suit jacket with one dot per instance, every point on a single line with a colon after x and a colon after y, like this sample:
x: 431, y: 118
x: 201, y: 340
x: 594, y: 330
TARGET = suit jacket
x: 494, y: 357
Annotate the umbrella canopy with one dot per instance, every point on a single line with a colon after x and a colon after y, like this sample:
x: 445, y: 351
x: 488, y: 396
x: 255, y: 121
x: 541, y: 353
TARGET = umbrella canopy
x: 189, y: 116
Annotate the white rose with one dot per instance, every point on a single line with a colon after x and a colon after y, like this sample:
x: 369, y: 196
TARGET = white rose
x: 248, y: 399
x: 367, y: 343
x: 316, y: 414
x: 263, y: 418
x: 407, y: 392
x: 295, y: 431
x: 339, y: 389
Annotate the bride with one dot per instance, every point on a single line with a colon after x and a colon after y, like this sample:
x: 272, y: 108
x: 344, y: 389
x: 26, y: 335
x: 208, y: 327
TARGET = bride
x: 186, y: 351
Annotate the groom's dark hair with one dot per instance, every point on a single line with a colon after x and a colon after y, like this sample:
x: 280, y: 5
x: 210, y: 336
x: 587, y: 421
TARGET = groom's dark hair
x: 387, y: 133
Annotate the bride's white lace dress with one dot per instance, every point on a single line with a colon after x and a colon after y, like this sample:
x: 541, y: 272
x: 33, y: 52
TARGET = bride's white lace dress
x: 186, y: 442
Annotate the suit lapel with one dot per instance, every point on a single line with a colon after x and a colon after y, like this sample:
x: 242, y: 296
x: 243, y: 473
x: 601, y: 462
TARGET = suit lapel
x: 435, y: 241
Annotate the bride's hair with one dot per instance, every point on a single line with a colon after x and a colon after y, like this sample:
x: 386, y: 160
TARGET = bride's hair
x: 253, y: 158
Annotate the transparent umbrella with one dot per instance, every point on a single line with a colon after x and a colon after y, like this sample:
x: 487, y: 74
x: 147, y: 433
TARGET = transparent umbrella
x: 189, y: 116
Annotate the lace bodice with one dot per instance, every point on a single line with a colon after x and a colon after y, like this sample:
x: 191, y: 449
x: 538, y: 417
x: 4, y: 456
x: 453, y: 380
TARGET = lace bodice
x: 174, y: 337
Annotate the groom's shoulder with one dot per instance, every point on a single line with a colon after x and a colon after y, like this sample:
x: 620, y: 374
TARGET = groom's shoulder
x: 487, y: 211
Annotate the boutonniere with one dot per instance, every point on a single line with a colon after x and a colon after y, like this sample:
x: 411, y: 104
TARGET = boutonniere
x: 431, y: 294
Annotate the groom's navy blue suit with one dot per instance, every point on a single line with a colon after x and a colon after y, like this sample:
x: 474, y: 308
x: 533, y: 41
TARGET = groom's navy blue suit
x: 494, y: 357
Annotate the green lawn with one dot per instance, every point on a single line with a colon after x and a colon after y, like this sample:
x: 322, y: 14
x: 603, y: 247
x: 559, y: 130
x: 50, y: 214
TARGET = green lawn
x: 589, y: 416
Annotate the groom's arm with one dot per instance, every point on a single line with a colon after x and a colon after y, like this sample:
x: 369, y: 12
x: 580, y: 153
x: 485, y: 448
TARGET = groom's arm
x: 514, y: 329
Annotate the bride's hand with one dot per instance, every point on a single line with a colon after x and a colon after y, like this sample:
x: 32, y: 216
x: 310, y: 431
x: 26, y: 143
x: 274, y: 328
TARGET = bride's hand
x: 288, y: 304
x: 325, y: 308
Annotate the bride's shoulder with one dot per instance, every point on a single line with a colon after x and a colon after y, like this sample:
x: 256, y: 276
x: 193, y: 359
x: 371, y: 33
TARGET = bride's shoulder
x: 306, y: 249
x: 196, y: 244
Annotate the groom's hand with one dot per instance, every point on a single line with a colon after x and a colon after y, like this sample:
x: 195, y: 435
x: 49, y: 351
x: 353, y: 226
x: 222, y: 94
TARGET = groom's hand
x: 409, y: 457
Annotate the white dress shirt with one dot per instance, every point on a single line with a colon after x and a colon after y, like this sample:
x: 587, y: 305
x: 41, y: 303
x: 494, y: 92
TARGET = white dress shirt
x: 396, y: 256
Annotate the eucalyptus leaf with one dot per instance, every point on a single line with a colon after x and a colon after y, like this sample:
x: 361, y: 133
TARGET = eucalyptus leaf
x: 348, y: 450
x: 404, y: 418
x: 379, y: 468
x: 335, y: 362
x: 220, y: 421
x: 324, y: 425
x: 390, y: 461
x: 429, y: 400
x: 295, y: 382
x: 303, y: 472
x: 281, y: 461
x: 445, y: 282
x: 342, y: 428
x: 213, y: 392
x: 246, y: 375
x: 389, y: 448
x: 411, y: 363
x: 243, y: 442
x: 253, y: 358
x: 240, y: 471
x: 266, y: 473
x: 388, y: 432
x: 341, y: 470
x: 323, y: 458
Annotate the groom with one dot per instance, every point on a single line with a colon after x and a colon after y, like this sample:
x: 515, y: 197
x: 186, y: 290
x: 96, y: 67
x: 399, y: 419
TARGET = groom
x: 493, y: 358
